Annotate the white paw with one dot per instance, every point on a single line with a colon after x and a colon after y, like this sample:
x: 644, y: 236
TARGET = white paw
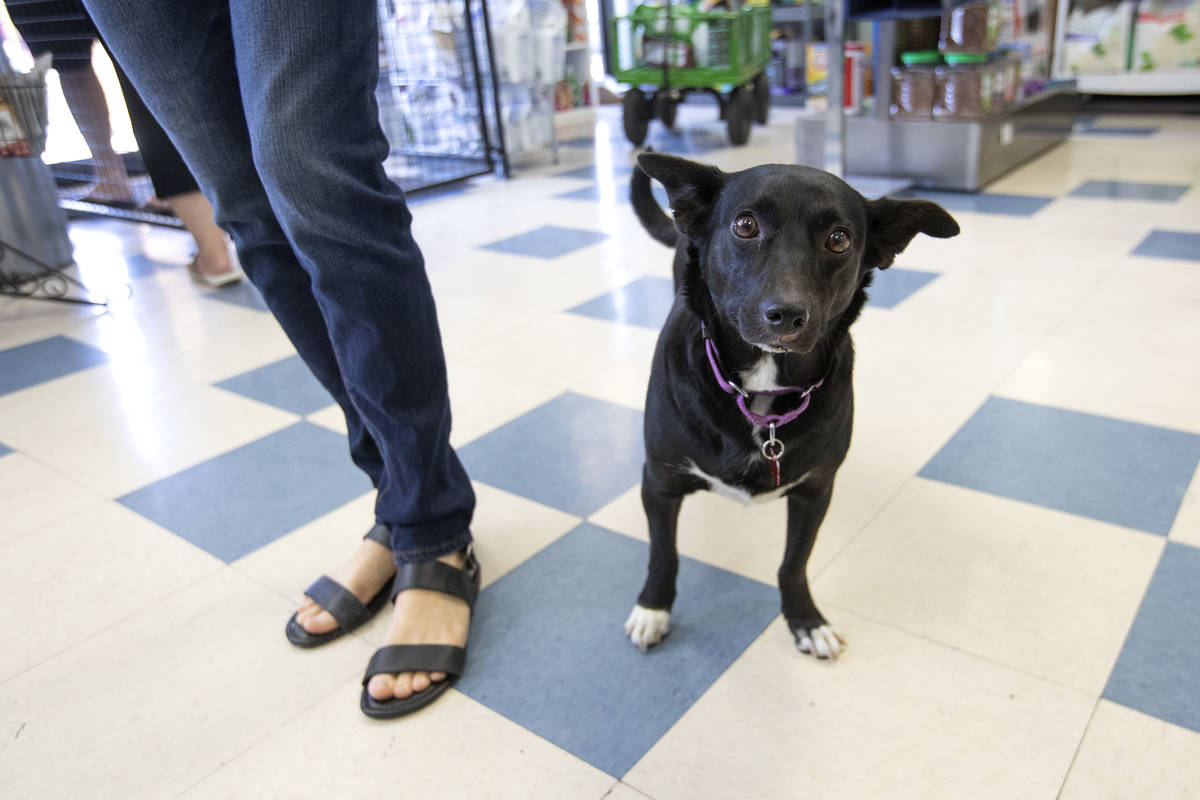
x: 821, y: 642
x: 647, y: 626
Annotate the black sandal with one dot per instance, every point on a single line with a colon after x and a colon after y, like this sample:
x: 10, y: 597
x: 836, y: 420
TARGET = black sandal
x: 340, y: 602
x: 396, y: 658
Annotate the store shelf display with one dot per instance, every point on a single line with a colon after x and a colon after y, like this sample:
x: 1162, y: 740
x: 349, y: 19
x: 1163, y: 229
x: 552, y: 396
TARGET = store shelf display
x: 1137, y: 47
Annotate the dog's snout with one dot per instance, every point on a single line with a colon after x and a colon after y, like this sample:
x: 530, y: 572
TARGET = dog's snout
x: 784, y: 318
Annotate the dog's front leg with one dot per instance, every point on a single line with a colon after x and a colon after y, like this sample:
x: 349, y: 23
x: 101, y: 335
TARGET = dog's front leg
x: 650, y: 619
x: 806, y: 510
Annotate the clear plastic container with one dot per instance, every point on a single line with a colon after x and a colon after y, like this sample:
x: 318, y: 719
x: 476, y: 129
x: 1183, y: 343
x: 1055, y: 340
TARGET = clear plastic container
x: 1006, y: 80
x: 973, y: 27
x: 963, y: 88
x: 913, y: 85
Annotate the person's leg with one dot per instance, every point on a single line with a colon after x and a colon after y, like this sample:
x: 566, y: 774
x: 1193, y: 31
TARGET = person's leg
x: 319, y: 148
x: 180, y: 57
x: 174, y: 183
x: 317, y: 144
x: 86, y: 100
x: 62, y: 27
x: 212, y: 253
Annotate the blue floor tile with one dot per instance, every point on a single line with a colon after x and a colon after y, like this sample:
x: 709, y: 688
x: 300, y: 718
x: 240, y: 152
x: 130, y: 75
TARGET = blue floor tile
x: 574, y: 453
x: 239, y: 501
x: 548, y: 650
x: 1158, y: 671
x: 1170, y: 244
x: 45, y: 360
x: 240, y: 294
x: 1016, y: 205
x: 578, y: 141
x: 548, y: 241
x: 620, y: 194
x: 1140, y: 131
x: 1107, y: 469
x: 686, y: 142
x: 893, y: 285
x: 5, y: 449
x: 645, y: 302
x: 592, y: 172
x: 421, y: 196
x: 141, y: 265
x: 1128, y: 190
x: 286, y: 384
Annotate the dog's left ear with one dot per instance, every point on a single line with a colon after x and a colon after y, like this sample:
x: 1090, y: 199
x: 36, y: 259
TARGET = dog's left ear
x: 892, y: 224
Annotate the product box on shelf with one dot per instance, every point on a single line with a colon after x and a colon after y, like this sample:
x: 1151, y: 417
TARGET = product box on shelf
x: 1096, y: 41
x: 1166, y: 35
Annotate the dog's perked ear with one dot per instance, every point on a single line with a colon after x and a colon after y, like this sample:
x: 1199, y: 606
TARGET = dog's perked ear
x: 892, y: 224
x: 691, y: 187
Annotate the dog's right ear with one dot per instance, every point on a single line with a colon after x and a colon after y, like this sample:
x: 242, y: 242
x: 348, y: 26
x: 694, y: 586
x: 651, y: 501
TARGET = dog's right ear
x: 691, y: 187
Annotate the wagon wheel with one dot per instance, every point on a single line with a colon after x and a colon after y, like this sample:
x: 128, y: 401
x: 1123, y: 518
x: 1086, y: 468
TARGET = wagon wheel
x: 636, y: 114
x: 762, y: 98
x: 739, y: 114
x: 665, y: 106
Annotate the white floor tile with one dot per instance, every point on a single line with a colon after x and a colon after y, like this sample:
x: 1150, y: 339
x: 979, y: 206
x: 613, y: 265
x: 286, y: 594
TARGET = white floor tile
x: 483, y: 399
x: 566, y: 350
x: 1128, y: 754
x: 623, y: 791
x: 1136, y: 384
x: 1040, y: 590
x: 456, y: 748
x: 896, y: 716
x: 161, y: 700
x: 130, y: 452
x: 33, y: 496
x: 70, y: 580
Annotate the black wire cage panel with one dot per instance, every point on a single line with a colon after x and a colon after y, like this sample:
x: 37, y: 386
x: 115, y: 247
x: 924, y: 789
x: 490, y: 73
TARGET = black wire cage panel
x: 435, y: 95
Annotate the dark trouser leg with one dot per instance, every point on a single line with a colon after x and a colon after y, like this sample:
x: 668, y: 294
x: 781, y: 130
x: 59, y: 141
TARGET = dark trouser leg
x: 287, y: 147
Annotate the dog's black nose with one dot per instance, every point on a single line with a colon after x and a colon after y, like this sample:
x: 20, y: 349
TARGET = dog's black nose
x: 784, y: 319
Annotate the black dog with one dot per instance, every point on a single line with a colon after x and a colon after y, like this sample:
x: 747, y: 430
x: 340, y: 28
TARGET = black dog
x: 750, y: 393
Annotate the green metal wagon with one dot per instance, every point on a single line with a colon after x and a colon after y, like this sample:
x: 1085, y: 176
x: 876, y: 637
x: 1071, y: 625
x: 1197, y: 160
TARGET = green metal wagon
x: 665, y: 52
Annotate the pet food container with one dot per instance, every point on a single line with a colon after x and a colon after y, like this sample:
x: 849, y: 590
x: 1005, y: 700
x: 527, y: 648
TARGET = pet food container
x: 971, y: 28
x: 913, y: 84
x: 963, y: 87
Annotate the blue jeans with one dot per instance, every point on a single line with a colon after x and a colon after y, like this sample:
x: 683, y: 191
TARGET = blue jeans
x: 272, y: 105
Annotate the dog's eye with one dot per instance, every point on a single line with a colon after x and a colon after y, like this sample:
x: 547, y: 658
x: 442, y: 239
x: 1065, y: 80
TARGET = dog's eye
x: 745, y: 226
x: 838, y: 241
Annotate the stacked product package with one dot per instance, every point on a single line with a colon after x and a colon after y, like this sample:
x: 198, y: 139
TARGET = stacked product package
x: 986, y: 51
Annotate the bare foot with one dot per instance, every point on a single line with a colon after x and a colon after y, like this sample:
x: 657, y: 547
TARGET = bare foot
x: 364, y: 575
x: 423, y: 617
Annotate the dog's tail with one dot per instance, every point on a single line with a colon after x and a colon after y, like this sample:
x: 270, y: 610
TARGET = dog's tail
x: 648, y: 211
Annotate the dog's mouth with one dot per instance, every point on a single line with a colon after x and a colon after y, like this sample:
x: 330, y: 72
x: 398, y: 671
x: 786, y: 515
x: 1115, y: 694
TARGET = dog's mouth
x: 794, y: 343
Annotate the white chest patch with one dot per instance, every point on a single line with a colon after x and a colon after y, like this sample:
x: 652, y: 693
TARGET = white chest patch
x: 763, y: 377
x: 735, y: 493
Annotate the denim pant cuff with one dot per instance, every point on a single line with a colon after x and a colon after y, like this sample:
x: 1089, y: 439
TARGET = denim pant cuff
x: 428, y: 545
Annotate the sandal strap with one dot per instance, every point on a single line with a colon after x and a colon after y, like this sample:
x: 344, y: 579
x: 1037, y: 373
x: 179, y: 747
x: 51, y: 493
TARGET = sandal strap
x: 380, y: 534
x: 439, y: 577
x: 398, y: 658
x: 340, y: 602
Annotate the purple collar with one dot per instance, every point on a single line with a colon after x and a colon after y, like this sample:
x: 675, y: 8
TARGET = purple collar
x: 772, y: 447
x: 729, y: 387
